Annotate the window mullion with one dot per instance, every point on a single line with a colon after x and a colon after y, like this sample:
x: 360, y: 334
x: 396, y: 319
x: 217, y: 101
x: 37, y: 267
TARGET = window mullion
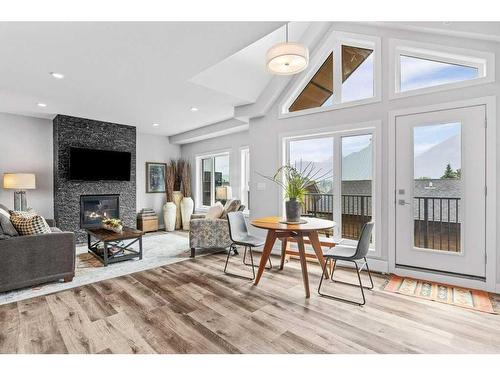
x: 337, y: 72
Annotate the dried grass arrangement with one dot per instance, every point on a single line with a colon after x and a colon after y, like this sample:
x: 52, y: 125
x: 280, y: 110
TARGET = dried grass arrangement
x: 178, y: 174
x: 186, y: 179
x: 170, y: 180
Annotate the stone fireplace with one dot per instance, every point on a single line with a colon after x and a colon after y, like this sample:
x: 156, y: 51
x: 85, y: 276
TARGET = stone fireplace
x: 85, y: 133
x: 95, y: 208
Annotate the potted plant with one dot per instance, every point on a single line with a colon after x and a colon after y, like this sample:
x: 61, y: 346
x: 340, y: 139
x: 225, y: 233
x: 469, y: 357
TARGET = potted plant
x: 295, y: 181
x: 187, y: 203
x: 114, y: 225
x: 169, y: 208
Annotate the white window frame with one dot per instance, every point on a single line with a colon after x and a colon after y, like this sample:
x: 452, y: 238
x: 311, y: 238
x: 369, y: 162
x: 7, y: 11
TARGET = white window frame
x: 483, y: 61
x: 199, y: 179
x: 245, y: 177
x: 334, y: 43
x: 370, y: 127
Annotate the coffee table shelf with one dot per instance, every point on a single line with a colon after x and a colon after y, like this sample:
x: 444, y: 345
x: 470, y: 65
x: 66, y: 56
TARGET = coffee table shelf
x: 110, y: 239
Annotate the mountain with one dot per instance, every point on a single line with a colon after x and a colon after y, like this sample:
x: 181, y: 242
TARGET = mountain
x: 358, y: 165
x: 432, y: 163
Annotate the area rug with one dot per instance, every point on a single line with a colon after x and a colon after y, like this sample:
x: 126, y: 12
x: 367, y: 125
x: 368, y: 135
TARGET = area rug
x: 452, y: 295
x: 159, y: 249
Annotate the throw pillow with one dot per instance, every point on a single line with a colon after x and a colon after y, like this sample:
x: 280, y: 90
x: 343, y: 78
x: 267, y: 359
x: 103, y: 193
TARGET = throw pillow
x: 232, y: 205
x: 7, y: 227
x: 215, y: 211
x: 28, y: 224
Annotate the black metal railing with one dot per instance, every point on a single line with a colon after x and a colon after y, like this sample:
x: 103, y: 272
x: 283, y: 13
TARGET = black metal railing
x: 436, y: 219
x: 437, y: 223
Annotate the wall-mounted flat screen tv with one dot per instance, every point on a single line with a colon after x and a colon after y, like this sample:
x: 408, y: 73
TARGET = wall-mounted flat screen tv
x: 99, y: 165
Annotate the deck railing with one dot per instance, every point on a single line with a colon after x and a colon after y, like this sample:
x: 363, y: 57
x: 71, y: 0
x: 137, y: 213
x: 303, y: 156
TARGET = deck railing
x: 436, y: 219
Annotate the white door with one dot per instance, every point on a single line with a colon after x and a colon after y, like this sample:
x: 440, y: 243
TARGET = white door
x: 440, y: 191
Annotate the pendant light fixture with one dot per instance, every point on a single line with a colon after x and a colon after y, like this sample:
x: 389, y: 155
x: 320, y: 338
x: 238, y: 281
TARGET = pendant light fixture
x: 287, y: 58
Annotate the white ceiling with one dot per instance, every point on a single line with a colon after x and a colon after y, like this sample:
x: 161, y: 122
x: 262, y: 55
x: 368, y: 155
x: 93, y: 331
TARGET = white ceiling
x: 124, y: 72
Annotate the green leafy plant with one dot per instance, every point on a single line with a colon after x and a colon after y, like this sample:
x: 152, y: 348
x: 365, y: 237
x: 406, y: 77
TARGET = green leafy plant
x: 296, y: 180
x: 115, y: 223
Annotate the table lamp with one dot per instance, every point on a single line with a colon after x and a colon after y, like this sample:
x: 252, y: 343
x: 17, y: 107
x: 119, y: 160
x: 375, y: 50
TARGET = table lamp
x: 223, y: 193
x: 20, y: 182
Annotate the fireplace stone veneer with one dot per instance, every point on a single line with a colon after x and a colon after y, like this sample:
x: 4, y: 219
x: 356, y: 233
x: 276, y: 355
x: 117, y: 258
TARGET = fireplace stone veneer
x: 79, y: 132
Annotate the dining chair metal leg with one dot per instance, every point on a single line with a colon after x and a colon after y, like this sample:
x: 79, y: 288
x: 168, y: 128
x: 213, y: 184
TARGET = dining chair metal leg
x: 360, y: 286
x: 369, y: 274
x: 234, y: 274
x: 333, y: 265
x: 248, y: 264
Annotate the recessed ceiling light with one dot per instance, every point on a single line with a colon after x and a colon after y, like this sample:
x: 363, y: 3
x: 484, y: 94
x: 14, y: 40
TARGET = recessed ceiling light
x: 43, y: 105
x: 57, y: 75
x: 193, y: 109
x: 155, y: 124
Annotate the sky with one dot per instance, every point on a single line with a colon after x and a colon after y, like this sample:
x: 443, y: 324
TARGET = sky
x: 426, y: 137
x: 417, y: 73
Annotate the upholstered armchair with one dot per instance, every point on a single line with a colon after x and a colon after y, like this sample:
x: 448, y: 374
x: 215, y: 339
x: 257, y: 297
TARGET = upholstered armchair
x: 205, y: 233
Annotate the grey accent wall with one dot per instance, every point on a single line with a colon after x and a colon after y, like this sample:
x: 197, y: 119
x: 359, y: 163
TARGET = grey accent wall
x: 158, y: 149
x: 26, y: 147
x: 79, y: 132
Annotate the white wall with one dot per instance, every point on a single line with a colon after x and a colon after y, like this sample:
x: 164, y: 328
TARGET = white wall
x: 152, y: 148
x: 232, y: 143
x: 265, y: 132
x: 26, y: 146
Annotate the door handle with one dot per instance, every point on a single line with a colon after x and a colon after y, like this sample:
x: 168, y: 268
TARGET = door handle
x: 402, y: 202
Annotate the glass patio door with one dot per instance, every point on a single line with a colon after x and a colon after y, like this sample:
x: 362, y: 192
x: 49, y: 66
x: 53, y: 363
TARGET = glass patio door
x: 440, y: 191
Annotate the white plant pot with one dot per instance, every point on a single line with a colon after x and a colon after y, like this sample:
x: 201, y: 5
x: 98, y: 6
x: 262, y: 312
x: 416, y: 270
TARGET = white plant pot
x: 169, y: 213
x: 187, y: 207
x: 177, y: 198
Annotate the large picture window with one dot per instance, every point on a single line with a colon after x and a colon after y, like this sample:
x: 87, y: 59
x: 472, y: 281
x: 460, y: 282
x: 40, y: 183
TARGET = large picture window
x: 345, y: 160
x: 213, y: 179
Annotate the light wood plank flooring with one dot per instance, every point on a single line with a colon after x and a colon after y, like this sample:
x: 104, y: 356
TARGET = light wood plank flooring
x: 191, y: 307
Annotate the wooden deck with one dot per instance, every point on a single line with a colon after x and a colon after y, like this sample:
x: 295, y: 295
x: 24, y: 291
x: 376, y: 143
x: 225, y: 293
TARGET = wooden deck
x: 191, y: 307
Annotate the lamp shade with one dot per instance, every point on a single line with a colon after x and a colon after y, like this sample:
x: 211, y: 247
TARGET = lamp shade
x: 223, y: 192
x: 287, y: 58
x: 19, y: 181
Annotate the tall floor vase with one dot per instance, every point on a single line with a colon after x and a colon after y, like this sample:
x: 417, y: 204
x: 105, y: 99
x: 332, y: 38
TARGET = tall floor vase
x: 169, y: 216
x: 187, y: 207
x: 177, y: 198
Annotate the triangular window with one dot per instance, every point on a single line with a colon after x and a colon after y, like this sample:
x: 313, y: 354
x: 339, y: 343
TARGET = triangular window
x: 357, y: 70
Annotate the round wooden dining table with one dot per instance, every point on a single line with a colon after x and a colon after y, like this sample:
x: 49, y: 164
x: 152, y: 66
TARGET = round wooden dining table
x: 277, y: 229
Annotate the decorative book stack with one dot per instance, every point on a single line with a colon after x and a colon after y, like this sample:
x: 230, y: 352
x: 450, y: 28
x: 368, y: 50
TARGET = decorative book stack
x: 147, y: 220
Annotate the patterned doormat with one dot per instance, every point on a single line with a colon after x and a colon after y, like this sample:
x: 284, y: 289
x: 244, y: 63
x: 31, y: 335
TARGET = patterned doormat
x: 452, y: 295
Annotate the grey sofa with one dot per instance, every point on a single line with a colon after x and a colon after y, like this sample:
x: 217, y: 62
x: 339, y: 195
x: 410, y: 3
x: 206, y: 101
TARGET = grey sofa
x: 209, y: 233
x: 30, y: 260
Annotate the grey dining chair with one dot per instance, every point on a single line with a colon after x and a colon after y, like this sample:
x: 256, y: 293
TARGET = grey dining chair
x: 238, y: 233
x: 349, y: 254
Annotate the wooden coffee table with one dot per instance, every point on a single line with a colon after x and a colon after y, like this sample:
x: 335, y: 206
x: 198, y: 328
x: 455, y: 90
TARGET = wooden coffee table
x: 110, y: 240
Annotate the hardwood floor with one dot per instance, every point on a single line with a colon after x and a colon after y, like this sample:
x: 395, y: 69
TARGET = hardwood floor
x: 192, y: 307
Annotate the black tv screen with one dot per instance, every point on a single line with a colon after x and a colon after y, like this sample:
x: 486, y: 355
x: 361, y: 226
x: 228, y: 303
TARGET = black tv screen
x: 96, y: 165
